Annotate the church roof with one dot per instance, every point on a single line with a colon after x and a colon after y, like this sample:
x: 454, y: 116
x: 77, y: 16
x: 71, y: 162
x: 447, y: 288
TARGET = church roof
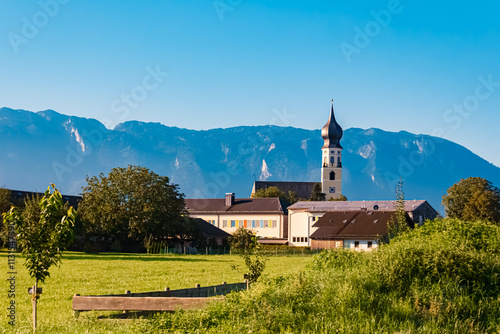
x: 332, y: 132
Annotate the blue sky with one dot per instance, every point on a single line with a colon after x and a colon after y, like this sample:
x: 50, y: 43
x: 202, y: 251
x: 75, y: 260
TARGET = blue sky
x: 420, y: 66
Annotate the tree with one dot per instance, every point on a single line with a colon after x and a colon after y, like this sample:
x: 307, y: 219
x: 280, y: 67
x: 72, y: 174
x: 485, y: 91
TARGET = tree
x: 474, y: 198
x: 243, y: 240
x: 5, y: 205
x: 399, y: 221
x: 246, y: 242
x: 134, y: 203
x: 44, y: 229
x: 317, y: 194
x: 290, y: 197
x: 342, y: 198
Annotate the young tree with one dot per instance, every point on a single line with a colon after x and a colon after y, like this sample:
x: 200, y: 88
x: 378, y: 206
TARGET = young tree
x: 317, y: 194
x: 246, y: 242
x: 399, y: 221
x: 474, y: 198
x: 134, y: 203
x: 44, y: 229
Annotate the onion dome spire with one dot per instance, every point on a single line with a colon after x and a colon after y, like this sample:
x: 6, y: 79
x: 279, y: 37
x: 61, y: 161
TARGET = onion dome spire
x: 332, y: 132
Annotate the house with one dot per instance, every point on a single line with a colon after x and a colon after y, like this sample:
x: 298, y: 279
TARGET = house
x: 267, y: 217
x: 359, y: 230
x: 302, y: 216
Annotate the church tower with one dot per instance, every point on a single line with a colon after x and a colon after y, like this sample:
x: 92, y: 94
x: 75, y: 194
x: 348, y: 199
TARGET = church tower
x: 331, y: 172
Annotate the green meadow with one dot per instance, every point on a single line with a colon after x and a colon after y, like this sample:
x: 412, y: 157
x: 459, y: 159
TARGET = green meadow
x: 113, y: 273
x: 442, y: 277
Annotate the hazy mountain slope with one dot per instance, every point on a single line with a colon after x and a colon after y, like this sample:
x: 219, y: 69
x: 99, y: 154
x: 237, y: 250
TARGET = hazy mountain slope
x: 39, y: 148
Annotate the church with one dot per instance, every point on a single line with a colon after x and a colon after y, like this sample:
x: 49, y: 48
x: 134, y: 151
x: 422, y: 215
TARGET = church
x: 332, y: 223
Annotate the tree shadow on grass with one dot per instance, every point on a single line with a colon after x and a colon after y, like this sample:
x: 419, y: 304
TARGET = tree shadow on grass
x: 136, y: 257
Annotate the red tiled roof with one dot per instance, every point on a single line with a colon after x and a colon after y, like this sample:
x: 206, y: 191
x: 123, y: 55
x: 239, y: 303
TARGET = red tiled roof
x: 353, y: 224
x: 241, y: 205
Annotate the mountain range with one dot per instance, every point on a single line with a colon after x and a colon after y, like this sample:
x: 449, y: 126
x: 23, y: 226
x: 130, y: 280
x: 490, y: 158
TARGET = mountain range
x: 49, y: 147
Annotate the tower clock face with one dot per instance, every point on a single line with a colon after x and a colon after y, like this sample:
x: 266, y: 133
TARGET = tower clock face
x: 332, y: 190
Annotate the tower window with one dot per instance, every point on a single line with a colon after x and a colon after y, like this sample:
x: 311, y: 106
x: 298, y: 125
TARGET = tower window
x: 332, y: 175
x: 332, y: 190
x: 332, y: 160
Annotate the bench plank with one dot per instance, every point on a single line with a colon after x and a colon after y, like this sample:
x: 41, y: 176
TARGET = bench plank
x: 87, y: 303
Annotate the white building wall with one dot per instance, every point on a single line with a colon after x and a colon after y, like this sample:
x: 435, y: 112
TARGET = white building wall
x: 363, y: 244
x: 300, y: 227
x: 266, y: 226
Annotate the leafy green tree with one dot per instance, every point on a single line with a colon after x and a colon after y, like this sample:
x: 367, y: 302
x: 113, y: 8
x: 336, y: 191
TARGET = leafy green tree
x: 44, y: 229
x: 245, y: 241
x: 5, y: 205
x: 290, y: 197
x: 134, y: 203
x: 317, y: 194
x: 342, y: 198
x: 474, y: 198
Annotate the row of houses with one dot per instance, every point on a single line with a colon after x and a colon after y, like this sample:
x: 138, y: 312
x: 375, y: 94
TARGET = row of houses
x: 315, y: 224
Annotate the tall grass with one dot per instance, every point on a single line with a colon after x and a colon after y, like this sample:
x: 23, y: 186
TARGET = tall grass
x: 443, y: 277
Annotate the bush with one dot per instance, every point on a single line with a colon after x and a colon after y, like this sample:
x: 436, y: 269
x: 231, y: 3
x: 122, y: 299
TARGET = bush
x: 441, y: 277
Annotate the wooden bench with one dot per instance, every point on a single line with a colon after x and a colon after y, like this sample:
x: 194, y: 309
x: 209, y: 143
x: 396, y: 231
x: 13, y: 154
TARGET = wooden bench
x: 167, y: 300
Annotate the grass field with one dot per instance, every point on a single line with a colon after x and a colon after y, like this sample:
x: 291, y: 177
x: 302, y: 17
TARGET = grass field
x: 113, y: 273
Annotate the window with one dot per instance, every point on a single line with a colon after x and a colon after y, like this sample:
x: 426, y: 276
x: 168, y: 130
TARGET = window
x: 332, y: 160
x: 305, y: 239
x: 332, y: 190
x: 233, y: 223
x: 313, y: 218
x: 274, y: 223
x: 337, y: 244
x: 262, y: 223
x: 294, y: 239
x: 332, y: 175
x: 253, y: 223
x: 356, y: 244
x: 369, y: 244
x: 266, y: 223
x: 224, y: 223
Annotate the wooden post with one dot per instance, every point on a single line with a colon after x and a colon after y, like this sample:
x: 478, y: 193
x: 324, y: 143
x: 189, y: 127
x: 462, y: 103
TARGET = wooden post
x: 248, y: 284
x: 33, y: 298
x: 206, y: 250
x: 127, y: 292
x: 76, y: 313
